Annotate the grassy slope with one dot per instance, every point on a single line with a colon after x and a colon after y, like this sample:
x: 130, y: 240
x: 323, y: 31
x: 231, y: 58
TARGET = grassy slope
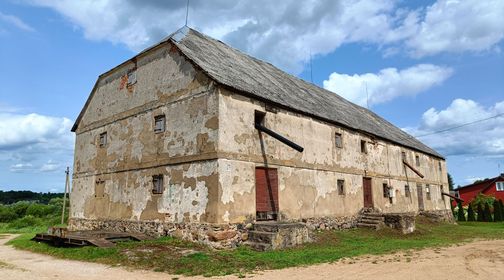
x: 176, y: 256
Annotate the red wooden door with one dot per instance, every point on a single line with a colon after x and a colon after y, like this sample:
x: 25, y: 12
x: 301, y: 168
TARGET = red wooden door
x: 368, y: 193
x: 266, y: 193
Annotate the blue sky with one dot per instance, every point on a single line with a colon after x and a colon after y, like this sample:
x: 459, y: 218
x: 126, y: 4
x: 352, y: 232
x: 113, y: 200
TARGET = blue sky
x: 427, y: 66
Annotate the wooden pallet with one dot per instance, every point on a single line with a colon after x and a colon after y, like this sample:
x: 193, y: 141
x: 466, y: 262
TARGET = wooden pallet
x: 104, y: 239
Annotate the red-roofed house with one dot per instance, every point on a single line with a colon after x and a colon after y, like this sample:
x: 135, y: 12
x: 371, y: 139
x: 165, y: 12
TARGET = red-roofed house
x: 492, y: 187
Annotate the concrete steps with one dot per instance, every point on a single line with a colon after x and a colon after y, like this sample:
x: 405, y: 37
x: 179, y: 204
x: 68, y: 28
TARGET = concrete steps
x: 276, y: 235
x: 372, y: 220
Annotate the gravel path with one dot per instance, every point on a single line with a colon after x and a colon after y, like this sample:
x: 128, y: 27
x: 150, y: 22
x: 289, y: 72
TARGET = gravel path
x: 476, y: 260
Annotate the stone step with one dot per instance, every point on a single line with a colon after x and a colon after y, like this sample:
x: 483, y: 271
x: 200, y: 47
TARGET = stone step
x: 262, y: 236
x: 370, y: 221
x: 375, y: 218
x: 373, y: 214
x: 276, y: 226
x: 258, y: 246
x: 366, y: 225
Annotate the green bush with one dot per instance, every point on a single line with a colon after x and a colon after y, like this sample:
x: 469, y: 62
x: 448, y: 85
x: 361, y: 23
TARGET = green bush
x: 25, y: 222
x: 20, y: 208
x: 460, y: 212
x: 497, y: 211
x: 487, y: 214
x: 483, y: 199
x: 470, y: 214
x: 7, y: 214
x: 480, y: 213
x: 501, y: 208
x: 41, y: 210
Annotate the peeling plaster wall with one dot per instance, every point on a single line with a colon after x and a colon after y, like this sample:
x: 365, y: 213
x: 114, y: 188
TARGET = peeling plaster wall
x: 308, y: 180
x: 115, y: 181
x: 188, y: 192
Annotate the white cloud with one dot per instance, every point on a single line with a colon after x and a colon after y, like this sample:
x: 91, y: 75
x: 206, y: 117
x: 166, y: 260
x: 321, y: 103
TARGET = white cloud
x: 285, y: 32
x: 15, y: 21
x: 21, y: 167
x: 484, y: 138
x: 34, y: 142
x: 22, y: 130
x: 50, y: 166
x: 458, y: 26
x: 387, y: 84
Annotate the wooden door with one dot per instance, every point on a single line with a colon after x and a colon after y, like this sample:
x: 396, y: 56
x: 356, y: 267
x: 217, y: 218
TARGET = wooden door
x: 420, y: 198
x: 368, y: 193
x: 266, y: 193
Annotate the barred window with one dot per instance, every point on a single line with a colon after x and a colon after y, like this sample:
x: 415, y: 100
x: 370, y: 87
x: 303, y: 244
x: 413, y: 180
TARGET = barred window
x: 157, y: 184
x: 159, y: 123
x: 338, y: 140
x: 341, y: 187
x: 407, y: 192
x: 103, y: 139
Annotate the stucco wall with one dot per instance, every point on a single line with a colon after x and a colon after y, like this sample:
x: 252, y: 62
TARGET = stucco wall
x: 115, y: 181
x: 307, y: 180
x: 189, y: 194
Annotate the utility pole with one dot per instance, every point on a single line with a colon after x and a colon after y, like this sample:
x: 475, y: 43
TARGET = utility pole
x: 67, y: 187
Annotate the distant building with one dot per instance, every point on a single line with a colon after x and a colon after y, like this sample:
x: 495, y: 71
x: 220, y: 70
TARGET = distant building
x: 491, y: 187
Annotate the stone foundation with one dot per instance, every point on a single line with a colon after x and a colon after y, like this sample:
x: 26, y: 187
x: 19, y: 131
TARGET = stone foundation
x: 439, y: 216
x: 218, y: 236
x: 405, y: 222
x: 213, y: 235
x: 330, y: 223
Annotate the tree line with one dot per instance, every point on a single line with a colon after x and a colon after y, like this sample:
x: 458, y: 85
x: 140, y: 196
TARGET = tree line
x: 11, y: 197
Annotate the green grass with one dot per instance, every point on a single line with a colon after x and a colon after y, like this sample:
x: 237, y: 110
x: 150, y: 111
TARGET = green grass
x: 180, y: 257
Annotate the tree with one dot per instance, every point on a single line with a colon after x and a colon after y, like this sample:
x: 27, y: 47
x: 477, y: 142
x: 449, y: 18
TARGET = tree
x: 487, y: 215
x: 470, y: 214
x: 450, y: 182
x: 497, y: 211
x: 480, y: 213
x: 502, y: 208
x: 460, y: 212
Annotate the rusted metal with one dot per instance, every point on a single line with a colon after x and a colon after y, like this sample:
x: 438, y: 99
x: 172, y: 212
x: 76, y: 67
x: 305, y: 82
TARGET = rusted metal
x: 61, y: 236
x: 413, y: 169
x: 279, y: 137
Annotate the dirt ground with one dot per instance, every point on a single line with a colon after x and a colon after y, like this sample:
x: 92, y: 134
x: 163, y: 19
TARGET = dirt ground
x: 476, y: 260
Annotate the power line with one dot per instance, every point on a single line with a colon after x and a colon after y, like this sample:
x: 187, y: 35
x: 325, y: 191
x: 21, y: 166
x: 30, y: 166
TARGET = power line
x: 459, y: 126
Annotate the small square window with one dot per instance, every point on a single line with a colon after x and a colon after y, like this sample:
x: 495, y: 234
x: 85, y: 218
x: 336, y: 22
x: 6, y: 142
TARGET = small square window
x: 407, y: 192
x: 157, y: 184
x: 427, y: 192
x: 259, y: 117
x: 341, y: 187
x: 132, y: 77
x: 417, y: 159
x: 363, y: 146
x: 386, y: 190
x: 338, y: 140
x: 159, y: 123
x: 500, y: 186
x: 103, y: 139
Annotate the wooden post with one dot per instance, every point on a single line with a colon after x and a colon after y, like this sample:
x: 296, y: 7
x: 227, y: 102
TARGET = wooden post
x: 65, y: 194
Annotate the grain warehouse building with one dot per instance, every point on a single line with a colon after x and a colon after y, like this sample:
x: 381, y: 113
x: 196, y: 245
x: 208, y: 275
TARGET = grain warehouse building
x: 195, y: 139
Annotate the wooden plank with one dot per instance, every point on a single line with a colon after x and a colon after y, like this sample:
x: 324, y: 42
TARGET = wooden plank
x: 412, y: 168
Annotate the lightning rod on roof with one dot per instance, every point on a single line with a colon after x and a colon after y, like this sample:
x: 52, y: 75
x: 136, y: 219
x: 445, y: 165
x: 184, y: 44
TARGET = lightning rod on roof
x: 187, y: 13
x: 311, y: 68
